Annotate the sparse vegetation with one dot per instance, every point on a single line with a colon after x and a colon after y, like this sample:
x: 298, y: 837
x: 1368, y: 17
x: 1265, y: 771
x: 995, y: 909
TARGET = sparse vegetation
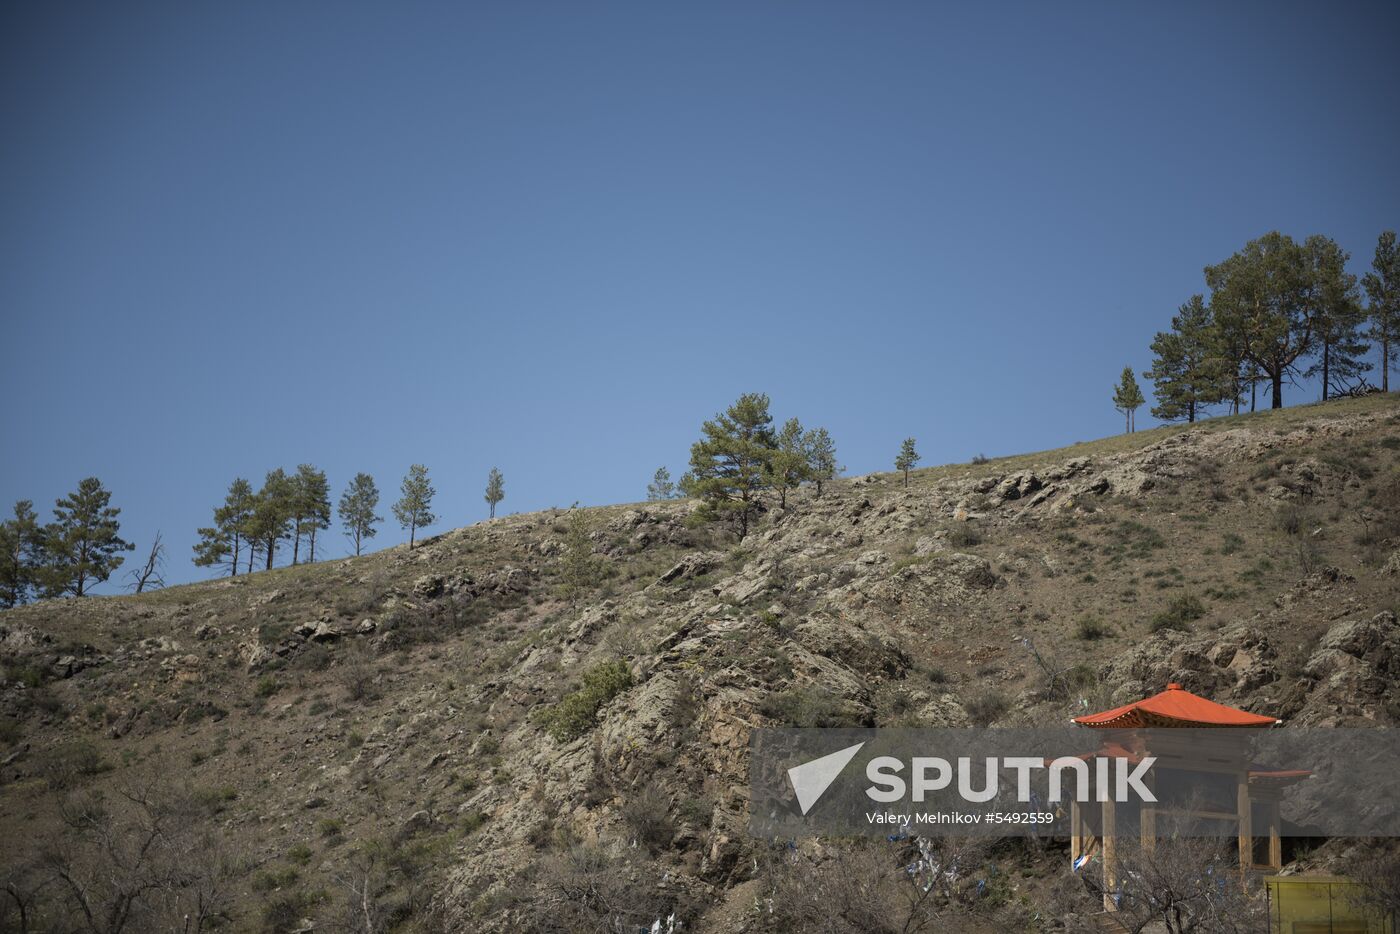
x: 576, y: 713
x: 1179, y: 613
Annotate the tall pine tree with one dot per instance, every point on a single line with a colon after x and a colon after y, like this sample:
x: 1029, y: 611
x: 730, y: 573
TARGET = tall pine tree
x: 357, y: 505
x: 413, y: 509
x: 1337, y: 316
x: 1127, y: 397
x: 1188, y: 372
x: 1260, y: 296
x: 907, y: 459
x: 82, y: 544
x: 21, y: 555
x: 727, y: 463
x: 661, y: 486
x: 820, y: 452
x: 270, y: 519
x: 1382, y: 285
x: 222, y: 544
x: 495, y: 490
x: 311, y: 508
x: 787, y: 462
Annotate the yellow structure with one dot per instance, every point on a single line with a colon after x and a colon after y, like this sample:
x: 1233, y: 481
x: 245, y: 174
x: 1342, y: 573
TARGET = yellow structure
x: 1320, y: 905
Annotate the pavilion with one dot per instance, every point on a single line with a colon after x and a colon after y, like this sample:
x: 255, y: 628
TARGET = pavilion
x: 1229, y: 791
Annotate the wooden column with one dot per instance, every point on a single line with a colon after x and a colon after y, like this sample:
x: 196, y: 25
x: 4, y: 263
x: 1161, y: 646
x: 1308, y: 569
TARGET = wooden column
x: 1147, y: 818
x: 1246, y: 828
x: 1076, y: 832
x: 1110, y: 854
x: 1275, y: 840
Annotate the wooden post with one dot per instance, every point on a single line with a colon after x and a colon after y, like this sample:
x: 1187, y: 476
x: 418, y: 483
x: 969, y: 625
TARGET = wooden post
x: 1275, y: 841
x: 1147, y: 818
x: 1246, y: 828
x: 1110, y: 854
x: 1076, y: 832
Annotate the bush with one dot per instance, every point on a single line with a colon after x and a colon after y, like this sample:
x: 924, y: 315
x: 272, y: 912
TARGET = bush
x: 808, y: 707
x: 985, y: 706
x: 648, y: 813
x: 1290, y: 520
x: 576, y: 713
x: 268, y: 880
x: 267, y: 686
x: 1179, y: 613
x: 963, y: 535
x: 63, y: 766
x: 28, y: 675
x: 1232, y: 544
x: 1091, y: 628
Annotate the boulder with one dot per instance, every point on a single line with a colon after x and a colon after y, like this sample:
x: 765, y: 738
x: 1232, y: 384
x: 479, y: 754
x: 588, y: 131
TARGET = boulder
x: 692, y: 565
x: 429, y: 586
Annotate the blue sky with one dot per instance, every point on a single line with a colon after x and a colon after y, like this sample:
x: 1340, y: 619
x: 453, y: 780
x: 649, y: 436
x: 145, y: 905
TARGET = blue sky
x: 555, y: 237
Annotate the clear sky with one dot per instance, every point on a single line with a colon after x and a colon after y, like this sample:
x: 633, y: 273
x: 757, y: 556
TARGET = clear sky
x: 555, y: 237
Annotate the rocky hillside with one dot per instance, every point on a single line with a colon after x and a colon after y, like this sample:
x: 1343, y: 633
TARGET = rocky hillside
x: 503, y: 730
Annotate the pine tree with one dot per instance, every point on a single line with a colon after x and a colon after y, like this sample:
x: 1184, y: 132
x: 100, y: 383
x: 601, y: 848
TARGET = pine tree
x: 495, y: 490
x: 1261, y: 296
x: 1337, y: 317
x: 413, y: 508
x: 661, y: 486
x: 270, y: 519
x: 311, y: 508
x: 1383, y: 289
x: 787, y: 462
x: 581, y: 569
x: 820, y: 451
x: 1188, y: 372
x: 357, y: 505
x: 223, y: 542
x: 82, y: 543
x: 1127, y: 396
x: 21, y: 555
x: 907, y: 459
x: 727, y: 463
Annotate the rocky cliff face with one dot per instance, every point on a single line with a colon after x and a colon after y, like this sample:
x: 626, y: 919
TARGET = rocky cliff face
x: 406, y: 697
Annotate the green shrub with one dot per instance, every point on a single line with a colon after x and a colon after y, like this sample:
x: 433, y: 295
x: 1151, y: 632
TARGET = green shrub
x: 1179, y: 613
x: 1232, y: 544
x: 267, y: 686
x: 268, y: 879
x: 1091, y: 628
x: 576, y: 713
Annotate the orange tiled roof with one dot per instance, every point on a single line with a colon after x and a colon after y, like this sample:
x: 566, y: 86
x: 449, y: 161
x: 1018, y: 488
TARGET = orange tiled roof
x: 1173, y: 707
